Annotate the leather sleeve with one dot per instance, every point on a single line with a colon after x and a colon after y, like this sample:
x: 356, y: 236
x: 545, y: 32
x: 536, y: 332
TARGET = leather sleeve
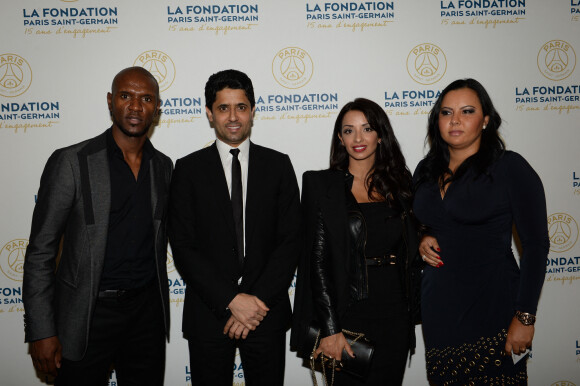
x: 323, y: 289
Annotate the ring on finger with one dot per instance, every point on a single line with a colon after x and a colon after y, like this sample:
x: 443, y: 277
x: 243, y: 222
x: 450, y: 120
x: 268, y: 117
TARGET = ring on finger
x: 424, y: 257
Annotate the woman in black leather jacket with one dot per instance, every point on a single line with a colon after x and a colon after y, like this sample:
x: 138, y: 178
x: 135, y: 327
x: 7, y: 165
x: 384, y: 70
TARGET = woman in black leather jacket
x: 360, y: 269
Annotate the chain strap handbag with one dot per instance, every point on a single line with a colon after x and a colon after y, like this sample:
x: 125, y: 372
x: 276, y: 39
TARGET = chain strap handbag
x: 358, y: 366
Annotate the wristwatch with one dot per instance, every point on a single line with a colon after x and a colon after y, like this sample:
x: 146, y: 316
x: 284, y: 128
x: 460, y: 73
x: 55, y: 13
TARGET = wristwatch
x: 525, y: 318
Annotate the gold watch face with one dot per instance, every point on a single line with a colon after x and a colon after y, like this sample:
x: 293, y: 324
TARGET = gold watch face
x: 525, y: 318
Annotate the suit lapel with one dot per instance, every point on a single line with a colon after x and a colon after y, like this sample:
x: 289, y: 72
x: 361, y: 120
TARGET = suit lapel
x: 100, y: 181
x: 255, y: 189
x: 333, y: 207
x: 96, y: 193
x: 157, y: 193
x: 157, y: 184
x: 95, y: 182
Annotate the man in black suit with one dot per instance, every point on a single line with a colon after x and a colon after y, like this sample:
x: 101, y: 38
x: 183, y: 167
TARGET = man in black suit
x: 234, y: 231
x: 107, y: 302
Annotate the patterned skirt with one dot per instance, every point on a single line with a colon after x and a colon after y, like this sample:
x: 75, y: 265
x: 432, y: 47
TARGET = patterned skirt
x: 482, y: 362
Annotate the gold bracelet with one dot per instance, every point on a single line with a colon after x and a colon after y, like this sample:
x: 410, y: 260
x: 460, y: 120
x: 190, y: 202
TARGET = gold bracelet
x: 525, y: 318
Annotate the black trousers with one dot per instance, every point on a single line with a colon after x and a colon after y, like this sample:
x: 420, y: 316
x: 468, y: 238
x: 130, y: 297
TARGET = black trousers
x: 128, y: 333
x: 384, y: 319
x: 263, y: 355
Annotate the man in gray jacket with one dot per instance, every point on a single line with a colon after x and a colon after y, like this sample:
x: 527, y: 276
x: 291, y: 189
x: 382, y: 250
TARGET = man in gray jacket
x: 105, y: 301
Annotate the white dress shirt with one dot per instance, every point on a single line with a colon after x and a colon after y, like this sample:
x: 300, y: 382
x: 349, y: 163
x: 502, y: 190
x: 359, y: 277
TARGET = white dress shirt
x: 244, y: 157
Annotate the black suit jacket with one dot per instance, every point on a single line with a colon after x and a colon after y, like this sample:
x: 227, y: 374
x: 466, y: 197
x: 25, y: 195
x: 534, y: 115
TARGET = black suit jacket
x: 202, y: 236
x: 74, y: 201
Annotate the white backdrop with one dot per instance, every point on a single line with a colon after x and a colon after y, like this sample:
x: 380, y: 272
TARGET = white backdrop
x: 306, y: 59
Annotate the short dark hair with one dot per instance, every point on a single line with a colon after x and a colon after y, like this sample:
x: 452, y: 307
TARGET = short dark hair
x: 234, y: 79
x: 389, y: 173
x: 436, y: 163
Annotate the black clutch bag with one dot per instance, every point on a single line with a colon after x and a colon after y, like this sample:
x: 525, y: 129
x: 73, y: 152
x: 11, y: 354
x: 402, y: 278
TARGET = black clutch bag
x: 358, y: 366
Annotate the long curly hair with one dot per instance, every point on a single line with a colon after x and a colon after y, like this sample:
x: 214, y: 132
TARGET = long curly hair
x: 389, y: 177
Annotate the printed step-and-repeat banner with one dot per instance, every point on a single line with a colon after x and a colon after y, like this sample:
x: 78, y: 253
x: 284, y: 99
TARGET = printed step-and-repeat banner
x: 306, y: 59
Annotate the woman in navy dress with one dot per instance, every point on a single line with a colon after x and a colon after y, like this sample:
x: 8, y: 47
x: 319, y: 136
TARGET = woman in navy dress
x: 478, y: 306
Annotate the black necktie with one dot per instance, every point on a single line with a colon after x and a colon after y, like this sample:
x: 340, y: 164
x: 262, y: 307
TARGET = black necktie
x: 238, y: 204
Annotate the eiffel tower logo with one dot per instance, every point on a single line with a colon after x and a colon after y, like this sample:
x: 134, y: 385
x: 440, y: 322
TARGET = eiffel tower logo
x: 427, y: 64
x: 293, y: 69
x: 563, y: 231
x: 10, y: 77
x: 12, y: 259
x: 560, y: 235
x: 16, y: 260
x: 157, y: 69
x: 557, y: 60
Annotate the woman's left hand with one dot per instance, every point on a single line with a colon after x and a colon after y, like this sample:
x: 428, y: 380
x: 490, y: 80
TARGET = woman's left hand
x: 332, y: 347
x: 428, y: 248
x: 519, y: 337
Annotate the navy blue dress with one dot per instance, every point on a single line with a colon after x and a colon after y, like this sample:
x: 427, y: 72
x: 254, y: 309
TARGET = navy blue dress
x: 469, y: 302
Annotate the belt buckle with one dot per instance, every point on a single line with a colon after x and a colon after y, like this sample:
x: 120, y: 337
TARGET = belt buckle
x: 392, y: 259
x: 379, y: 261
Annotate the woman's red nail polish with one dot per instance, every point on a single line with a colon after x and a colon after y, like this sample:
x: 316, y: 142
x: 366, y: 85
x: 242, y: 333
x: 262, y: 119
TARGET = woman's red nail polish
x: 438, y: 249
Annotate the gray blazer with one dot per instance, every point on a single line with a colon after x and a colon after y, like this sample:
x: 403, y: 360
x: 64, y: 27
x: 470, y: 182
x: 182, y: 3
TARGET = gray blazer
x: 60, y: 292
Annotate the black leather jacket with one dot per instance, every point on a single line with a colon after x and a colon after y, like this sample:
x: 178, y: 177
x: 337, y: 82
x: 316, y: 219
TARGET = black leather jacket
x: 324, y: 291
